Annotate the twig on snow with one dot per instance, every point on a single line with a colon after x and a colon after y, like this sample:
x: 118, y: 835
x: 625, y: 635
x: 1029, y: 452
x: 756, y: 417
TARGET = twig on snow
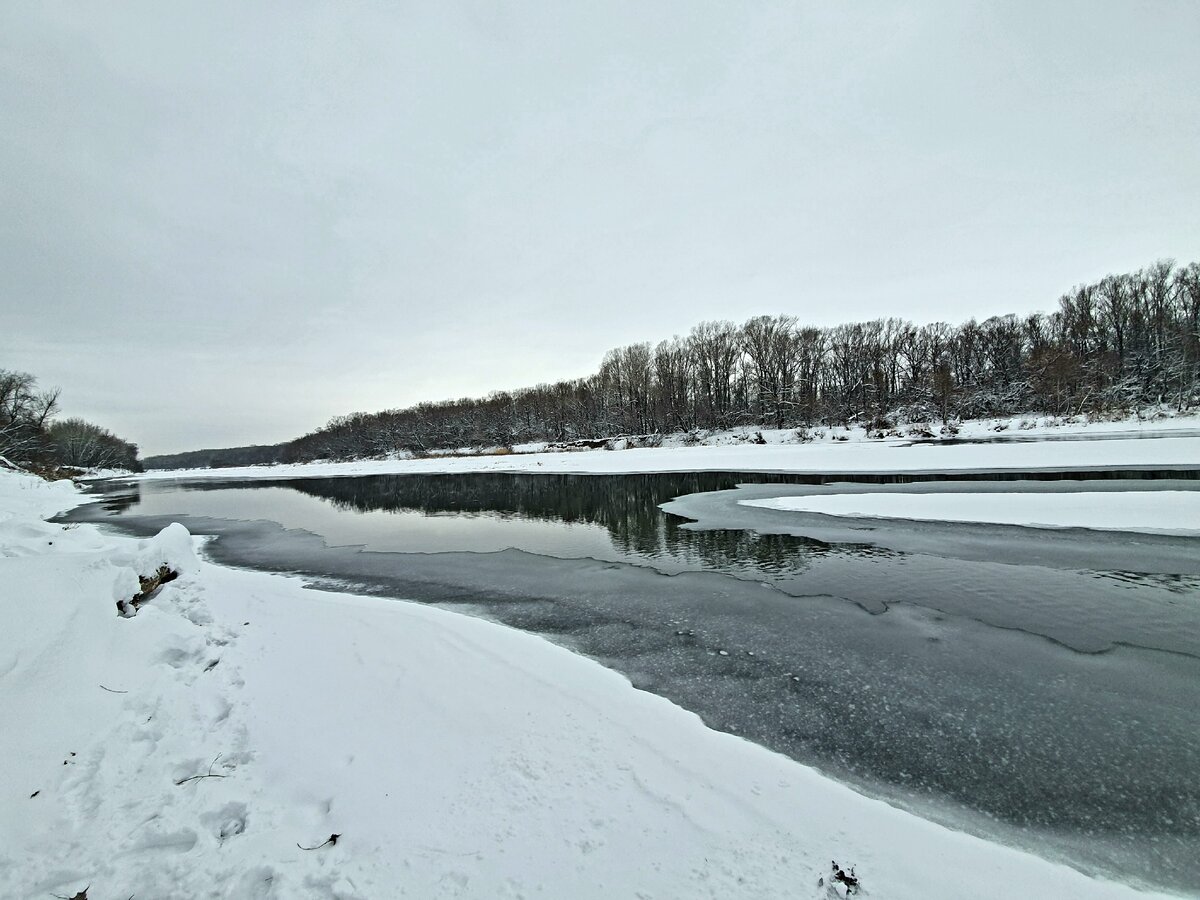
x: 331, y: 840
x: 199, y: 777
x: 111, y: 691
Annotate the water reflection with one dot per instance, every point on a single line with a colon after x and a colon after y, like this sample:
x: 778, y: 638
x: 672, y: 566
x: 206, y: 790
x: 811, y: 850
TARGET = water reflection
x: 121, y: 502
x: 626, y: 506
x: 610, y: 517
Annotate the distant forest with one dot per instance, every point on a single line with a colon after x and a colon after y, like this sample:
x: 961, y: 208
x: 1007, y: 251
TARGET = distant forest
x: 1121, y: 343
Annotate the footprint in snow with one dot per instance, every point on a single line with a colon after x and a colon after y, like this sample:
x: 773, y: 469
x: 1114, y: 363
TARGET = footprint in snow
x: 228, y: 821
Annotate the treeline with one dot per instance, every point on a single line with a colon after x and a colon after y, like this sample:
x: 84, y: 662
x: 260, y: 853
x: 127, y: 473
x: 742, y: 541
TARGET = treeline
x: 254, y: 455
x: 31, y: 438
x: 1123, y: 342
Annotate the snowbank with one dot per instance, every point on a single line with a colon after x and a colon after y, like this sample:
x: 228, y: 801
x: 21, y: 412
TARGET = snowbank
x: 1153, y: 512
x: 1017, y: 443
x: 24, y: 498
x: 1166, y: 451
x: 455, y: 757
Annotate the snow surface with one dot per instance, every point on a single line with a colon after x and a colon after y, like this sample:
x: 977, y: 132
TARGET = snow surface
x: 1155, y: 512
x: 836, y: 449
x: 454, y: 756
x: 1102, y: 449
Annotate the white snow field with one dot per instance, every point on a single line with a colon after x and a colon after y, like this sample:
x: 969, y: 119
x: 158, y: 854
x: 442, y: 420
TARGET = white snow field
x: 1153, y: 512
x: 454, y: 756
x: 1165, y: 443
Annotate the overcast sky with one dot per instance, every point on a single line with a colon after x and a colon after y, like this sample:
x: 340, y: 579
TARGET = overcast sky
x: 224, y: 222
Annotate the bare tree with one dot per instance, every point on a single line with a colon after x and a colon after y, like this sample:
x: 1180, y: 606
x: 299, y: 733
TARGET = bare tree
x: 716, y: 349
x: 24, y: 413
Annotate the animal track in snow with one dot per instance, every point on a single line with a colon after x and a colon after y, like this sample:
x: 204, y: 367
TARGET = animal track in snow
x: 177, y: 657
x: 228, y: 821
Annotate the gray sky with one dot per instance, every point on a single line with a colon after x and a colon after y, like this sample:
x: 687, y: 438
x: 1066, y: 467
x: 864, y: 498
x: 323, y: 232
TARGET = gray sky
x: 224, y: 222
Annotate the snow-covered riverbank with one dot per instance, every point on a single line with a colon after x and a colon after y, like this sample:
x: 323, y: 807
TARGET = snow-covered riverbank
x: 455, y: 757
x: 1166, y: 443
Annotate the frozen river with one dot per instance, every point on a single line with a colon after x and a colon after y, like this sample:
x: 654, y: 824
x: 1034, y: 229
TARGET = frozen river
x: 1042, y: 687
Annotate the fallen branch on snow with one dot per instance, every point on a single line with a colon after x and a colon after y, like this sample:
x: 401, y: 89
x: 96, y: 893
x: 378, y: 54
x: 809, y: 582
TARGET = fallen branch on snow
x: 331, y: 841
x: 200, y: 777
x: 149, y: 584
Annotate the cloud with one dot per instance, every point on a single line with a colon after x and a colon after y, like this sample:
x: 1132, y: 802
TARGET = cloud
x: 224, y: 223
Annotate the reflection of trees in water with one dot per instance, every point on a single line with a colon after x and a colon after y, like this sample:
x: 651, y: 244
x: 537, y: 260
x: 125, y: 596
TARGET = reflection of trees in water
x: 598, y: 499
x: 118, y: 503
x: 778, y: 554
x: 625, y: 505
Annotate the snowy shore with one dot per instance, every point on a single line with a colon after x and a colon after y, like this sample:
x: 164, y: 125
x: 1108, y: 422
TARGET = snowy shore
x: 455, y: 757
x: 1002, y: 445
